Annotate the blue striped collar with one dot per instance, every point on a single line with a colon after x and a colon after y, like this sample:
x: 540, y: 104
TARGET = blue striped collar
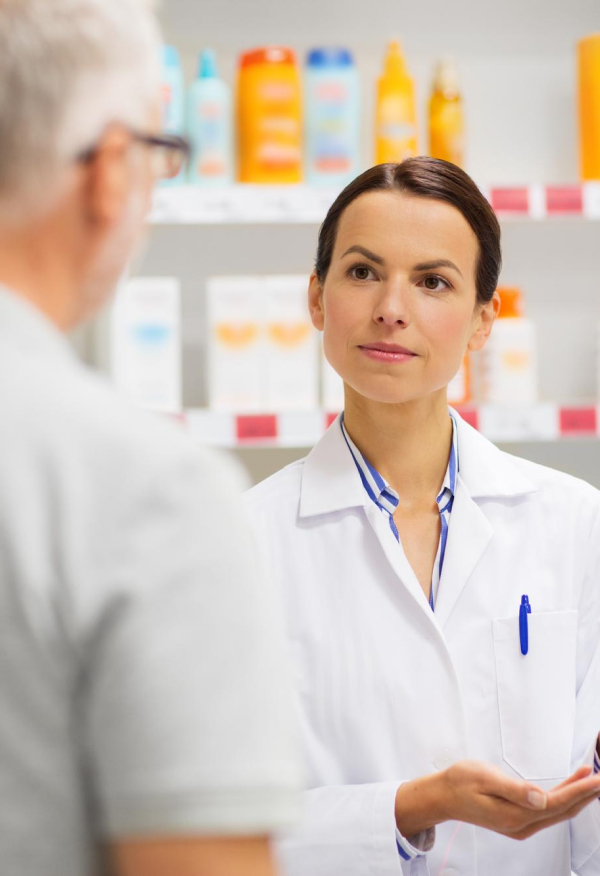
x: 382, y: 493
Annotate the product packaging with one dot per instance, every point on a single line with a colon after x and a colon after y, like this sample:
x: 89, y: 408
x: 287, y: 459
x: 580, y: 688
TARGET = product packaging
x: 269, y: 117
x: 210, y: 126
x: 173, y: 101
x: 332, y: 118
x: 508, y: 362
x: 146, y: 342
x: 395, y: 112
x: 446, y: 116
x: 236, y: 349
x: 292, y: 346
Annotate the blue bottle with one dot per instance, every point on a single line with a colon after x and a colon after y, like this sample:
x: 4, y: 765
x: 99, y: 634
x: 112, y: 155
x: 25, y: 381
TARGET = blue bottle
x: 210, y: 126
x: 173, y: 91
x: 332, y: 100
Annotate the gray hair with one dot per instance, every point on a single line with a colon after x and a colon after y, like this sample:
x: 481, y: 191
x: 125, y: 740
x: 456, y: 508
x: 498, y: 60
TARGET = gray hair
x: 68, y: 68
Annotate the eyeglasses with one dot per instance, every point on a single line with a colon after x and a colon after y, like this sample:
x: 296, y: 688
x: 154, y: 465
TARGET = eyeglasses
x: 170, y: 153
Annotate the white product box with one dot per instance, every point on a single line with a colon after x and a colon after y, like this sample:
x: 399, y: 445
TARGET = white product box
x: 146, y: 342
x: 508, y: 363
x: 332, y: 388
x: 292, y: 351
x: 236, y: 348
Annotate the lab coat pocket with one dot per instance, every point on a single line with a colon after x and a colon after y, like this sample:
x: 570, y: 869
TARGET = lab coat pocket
x: 536, y: 693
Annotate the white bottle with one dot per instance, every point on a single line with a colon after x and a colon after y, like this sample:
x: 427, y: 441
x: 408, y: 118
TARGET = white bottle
x: 508, y: 362
x: 209, y: 126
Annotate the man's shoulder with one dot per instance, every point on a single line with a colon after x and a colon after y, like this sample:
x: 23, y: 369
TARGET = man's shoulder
x: 66, y: 415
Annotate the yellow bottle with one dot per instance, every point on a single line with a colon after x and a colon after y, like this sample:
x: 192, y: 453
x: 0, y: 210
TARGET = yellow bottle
x: 446, y: 117
x: 588, y: 53
x: 395, y: 114
x: 269, y: 117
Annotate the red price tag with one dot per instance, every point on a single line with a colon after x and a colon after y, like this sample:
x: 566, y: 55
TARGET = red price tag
x: 578, y: 421
x: 260, y: 427
x: 510, y: 200
x: 564, y: 199
x: 329, y: 419
x: 469, y: 415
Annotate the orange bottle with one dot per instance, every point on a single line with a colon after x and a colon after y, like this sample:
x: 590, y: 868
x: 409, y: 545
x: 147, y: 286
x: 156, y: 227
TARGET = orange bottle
x: 395, y: 112
x: 269, y: 117
x: 588, y: 54
x: 446, y: 119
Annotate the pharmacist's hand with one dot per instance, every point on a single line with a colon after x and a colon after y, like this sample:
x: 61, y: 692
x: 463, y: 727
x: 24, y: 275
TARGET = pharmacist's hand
x: 483, y: 795
x: 480, y: 794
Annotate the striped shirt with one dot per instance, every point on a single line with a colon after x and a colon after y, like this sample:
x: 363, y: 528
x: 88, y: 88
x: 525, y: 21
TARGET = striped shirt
x: 387, y: 500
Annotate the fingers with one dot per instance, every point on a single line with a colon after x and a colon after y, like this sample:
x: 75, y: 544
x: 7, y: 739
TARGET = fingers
x: 581, y: 773
x: 565, y: 815
x: 523, y: 794
x: 564, y: 804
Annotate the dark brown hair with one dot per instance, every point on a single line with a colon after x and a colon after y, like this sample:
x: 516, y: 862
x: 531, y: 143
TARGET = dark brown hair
x: 424, y: 178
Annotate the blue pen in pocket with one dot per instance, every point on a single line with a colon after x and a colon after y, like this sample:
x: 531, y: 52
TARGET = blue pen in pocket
x: 524, y: 610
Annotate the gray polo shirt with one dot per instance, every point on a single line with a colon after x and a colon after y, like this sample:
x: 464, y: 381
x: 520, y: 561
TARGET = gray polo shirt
x: 143, y: 688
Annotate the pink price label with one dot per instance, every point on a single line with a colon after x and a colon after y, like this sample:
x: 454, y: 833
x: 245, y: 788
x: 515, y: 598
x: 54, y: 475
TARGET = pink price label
x: 260, y: 427
x: 578, y: 421
x: 470, y: 415
x: 564, y: 199
x: 514, y: 200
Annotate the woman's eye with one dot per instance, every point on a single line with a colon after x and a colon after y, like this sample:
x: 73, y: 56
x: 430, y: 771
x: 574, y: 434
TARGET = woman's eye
x: 361, y: 272
x: 432, y: 284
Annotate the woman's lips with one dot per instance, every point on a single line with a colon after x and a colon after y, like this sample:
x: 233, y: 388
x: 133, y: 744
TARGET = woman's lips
x: 387, y: 353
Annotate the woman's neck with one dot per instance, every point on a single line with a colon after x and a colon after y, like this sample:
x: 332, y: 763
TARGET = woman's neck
x: 409, y: 444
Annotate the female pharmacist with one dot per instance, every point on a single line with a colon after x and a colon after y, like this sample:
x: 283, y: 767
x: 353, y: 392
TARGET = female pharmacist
x: 442, y: 597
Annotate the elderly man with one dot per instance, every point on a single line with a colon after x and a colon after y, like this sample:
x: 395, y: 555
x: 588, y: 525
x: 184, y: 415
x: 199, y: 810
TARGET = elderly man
x: 144, y: 719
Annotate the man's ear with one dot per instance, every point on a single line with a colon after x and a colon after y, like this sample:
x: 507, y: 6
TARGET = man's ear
x: 108, y: 178
x: 484, y: 322
x: 315, y: 302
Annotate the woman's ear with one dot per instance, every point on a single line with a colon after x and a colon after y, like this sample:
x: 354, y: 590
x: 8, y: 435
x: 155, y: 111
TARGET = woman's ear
x: 315, y: 302
x: 484, y: 321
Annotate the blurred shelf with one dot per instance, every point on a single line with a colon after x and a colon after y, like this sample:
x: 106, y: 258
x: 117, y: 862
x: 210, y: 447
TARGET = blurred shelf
x: 302, y: 204
x: 541, y: 422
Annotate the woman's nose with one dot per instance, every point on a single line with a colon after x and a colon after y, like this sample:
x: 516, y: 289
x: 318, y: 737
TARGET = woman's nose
x: 392, y: 308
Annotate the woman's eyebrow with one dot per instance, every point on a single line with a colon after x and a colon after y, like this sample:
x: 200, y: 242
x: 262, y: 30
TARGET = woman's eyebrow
x: 367, y: 254
x: 437, y: 263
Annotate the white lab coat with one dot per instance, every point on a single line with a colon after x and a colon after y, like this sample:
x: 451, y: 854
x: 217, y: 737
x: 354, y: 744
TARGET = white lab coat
x: 388, y: 691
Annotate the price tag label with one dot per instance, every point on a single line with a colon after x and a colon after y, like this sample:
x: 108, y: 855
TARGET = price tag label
x: 561, y: 200
x: 578, y: 421
x: 510, y: 200
x: 256, y: 427
x: 519, y: 423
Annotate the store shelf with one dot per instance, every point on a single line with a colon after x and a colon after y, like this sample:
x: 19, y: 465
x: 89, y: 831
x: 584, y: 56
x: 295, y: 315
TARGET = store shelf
x: 541, y: 422
x: 246, y: 204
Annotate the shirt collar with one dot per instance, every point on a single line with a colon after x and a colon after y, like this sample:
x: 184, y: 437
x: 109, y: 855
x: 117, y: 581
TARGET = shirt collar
x: 381, y: 492
x: 24, y: 326
x: 331, y: 481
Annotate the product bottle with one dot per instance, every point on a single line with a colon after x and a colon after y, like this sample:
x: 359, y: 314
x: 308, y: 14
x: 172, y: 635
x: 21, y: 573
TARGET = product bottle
x: 459, y: 388
x: 395, y: 114
x: 446, y: 118
x: 269, y: 117
x: 173, y: 98
x: 210, y: 126
x: 508, y: 362
x: 588, y: 52
x: 332, y: 118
